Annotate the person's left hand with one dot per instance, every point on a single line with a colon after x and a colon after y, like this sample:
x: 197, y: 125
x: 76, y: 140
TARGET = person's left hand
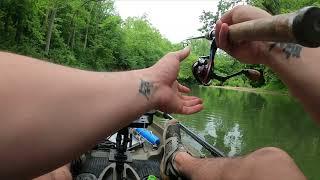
x: 168, y: 94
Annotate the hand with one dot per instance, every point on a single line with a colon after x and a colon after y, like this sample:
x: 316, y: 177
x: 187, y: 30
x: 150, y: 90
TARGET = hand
x: 246, y: 52
x: 168, y: 95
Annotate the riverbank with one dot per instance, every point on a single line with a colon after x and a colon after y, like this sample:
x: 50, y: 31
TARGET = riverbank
x: 253, y: 90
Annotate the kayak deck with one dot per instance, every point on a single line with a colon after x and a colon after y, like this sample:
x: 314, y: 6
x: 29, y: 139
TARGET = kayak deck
x: 145, y: 160
x: 97, y: 161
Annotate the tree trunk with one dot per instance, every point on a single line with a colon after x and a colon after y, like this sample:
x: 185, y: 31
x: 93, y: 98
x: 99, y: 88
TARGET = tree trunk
x: 69, y: 37
x: 19, y: 30
x: 50, y: 29
x: 19, y: 26
x: 86, y: 38
x: 45, y: 22
x: 7, y: 18
x: 6, y: 25
x: 87, y: 29
x: 72, y: 28
x: 73, y: 37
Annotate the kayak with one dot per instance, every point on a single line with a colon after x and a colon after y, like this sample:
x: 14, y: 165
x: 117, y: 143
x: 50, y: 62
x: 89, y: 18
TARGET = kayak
x: 138, y: 159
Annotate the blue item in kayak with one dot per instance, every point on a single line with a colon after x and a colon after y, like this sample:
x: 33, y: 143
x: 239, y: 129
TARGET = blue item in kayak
x: 149, y: 136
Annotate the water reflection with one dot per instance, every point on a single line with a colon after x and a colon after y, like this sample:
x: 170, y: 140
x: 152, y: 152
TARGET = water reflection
x: 211, y: 128
x: 233, y: 140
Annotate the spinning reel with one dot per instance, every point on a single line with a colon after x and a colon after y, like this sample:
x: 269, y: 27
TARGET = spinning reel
x: 203, y: 68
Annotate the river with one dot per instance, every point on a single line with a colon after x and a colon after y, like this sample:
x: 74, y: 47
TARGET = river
x: 239, y: 122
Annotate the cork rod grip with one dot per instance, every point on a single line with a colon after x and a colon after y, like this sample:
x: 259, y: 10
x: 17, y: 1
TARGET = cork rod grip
x: 301, y: 27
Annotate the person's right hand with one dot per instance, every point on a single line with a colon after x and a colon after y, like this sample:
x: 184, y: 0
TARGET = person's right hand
x: 246, y: 52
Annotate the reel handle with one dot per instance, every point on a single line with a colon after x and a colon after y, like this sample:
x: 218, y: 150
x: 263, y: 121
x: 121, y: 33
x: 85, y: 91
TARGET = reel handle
x: 301, y: 27
x: 252, y: 74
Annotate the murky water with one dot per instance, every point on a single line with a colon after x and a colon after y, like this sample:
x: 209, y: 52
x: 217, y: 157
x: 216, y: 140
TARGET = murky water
x: 240, y: 122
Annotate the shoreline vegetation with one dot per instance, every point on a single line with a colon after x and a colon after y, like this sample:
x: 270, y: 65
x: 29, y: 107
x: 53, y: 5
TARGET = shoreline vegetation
x: 254, y: 90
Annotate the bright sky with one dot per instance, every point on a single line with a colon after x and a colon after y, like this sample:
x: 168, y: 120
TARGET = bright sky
x: 175, y: 19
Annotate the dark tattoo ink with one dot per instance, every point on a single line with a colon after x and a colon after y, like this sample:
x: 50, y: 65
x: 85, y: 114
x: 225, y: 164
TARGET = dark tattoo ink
x: 145, y: 88
x: 289, y: 49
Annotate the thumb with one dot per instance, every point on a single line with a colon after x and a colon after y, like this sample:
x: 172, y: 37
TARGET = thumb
x: 182, y: 54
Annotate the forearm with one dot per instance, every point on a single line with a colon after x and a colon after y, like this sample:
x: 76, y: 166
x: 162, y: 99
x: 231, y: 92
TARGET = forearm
x: 301, y: 74
x: 51, y: 113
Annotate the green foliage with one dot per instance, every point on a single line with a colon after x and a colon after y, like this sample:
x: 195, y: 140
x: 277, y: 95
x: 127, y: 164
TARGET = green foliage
x: 282, y: 6
x: 271, y: 6
x: 143, y: 44
x: 86, y: 34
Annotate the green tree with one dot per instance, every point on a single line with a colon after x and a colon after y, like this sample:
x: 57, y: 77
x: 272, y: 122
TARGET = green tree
x: 143, y: 44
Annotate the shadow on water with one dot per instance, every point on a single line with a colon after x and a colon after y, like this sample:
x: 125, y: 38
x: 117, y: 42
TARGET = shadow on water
x: 240, y: 122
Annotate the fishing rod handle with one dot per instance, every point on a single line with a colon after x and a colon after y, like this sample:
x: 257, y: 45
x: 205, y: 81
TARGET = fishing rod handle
x: 301, y: 27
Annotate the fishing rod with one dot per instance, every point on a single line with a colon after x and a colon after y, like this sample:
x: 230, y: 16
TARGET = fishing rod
x: 214, y: 151
x: 301, y: 27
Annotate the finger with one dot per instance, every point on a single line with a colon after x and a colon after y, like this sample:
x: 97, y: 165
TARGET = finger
x: 227, y: 17
x: 192, y: 110
x: 182, y: 54
x: 217, y: 31
x: 189, y: 97
x: 183, y: 89
x: 223, y: 36
x: 193, y: 102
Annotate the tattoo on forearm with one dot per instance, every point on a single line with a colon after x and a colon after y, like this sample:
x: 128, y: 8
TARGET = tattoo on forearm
x: 145, y: 88
x: 289, y: 49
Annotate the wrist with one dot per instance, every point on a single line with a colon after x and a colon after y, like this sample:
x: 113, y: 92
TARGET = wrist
x: 267, y: 57
x: 148, y: 85
x: 270, y: 61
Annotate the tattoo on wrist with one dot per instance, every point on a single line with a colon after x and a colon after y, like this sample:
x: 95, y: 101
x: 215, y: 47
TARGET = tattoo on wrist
x: 289, y: 49
x: 145, y: 88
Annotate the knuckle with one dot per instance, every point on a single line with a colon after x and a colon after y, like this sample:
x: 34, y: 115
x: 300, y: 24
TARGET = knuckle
x: 274, y: 152
x: 172, y: 55
x: 237, y: 7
